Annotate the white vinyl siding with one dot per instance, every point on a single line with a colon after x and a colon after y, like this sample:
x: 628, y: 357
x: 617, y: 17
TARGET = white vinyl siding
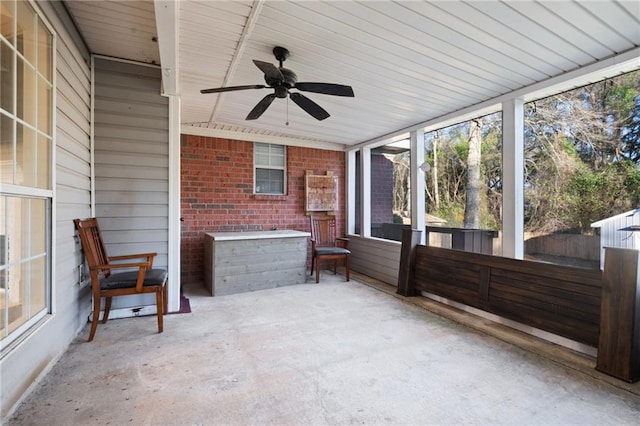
x: 131, y: 140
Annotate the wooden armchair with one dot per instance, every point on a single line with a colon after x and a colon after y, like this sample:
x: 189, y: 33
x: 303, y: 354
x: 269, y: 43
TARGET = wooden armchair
x: 326, y: 246
x: 106, y: 284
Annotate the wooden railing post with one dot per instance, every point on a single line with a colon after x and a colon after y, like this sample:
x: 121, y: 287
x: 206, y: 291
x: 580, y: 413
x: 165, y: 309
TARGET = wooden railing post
x: 410, y: 239
x: 619, y: 342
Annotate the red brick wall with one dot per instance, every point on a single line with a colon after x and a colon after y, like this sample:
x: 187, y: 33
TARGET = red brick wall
x: 217, y: 193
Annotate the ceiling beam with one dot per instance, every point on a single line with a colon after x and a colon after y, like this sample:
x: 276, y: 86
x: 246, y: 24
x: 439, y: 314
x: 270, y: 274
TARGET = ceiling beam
x: 256, y: 8
x: 167, y: 22
x: 255, y: 137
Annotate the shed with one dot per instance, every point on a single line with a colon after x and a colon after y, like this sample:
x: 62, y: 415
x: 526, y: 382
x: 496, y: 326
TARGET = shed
x: 622, y: 231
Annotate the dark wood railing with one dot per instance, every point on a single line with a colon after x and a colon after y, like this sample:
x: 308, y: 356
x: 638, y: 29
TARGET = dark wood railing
x: 600, y: 309
x: 558, y: 299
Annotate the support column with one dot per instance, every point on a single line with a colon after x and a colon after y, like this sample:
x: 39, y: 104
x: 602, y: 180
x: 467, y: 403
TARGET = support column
x: 513, y: 179
x: 350, y: 198
x: 410, y: 239
x: 173, y: 289
x: 417, y: 182
x: 365, y: 192
x: 619, y: 342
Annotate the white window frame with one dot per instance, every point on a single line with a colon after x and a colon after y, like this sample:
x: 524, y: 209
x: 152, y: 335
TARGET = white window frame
x: 269, y: 166
x: 29, y: 192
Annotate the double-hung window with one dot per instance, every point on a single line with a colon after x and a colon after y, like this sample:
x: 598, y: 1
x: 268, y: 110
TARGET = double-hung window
x: 270, y: 168
x: 26, y: 183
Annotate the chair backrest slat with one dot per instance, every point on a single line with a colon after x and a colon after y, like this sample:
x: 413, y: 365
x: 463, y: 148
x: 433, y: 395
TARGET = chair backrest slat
x: 92, y: 244
x: 323, y: 230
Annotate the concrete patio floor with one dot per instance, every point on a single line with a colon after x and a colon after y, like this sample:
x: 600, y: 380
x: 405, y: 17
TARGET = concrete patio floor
x: 333, y: 353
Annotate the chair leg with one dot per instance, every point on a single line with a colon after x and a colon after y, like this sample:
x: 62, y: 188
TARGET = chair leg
x: 159, y: 307
x: 317, y: 270
x: 346, y: 261
x: 107, y: 308
x: 96, y: 317
x: 313, y: 258
x: 165, y: 300
x: 335, y: 266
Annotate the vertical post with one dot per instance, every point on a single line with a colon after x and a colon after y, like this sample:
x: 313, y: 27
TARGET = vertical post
x: 619, y: 342
x: 417, y: 181
x: 351, y: 193
x: 410, y: 239
x: 173, y: 249
x: 365, y: 192
x: 513, y: 179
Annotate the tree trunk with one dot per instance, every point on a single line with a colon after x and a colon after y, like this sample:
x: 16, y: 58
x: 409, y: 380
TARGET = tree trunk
x: 472, y: 202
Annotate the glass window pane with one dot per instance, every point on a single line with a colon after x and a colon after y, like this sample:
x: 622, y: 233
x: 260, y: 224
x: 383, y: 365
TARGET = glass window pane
x: 14, y: 297
x: 6, y: 77
x: 35, y: 296
x: 45, y: 46
x: 25, y: 156
x: 7, y: 19
x: 3, y: 233
x: 3, y: 301
x: 269, y: 181
x: 277, y: 160
x: 14, y: 218
x: 262, y: 160
x: 21, y: 233
x: 277, y: 181
x: 37, y: 227
x: 26, y: 39
x: 6, y: 149
x: 262, y: 180
x: 43, y: 166
x: 44, y: 106
x: 27, y: 85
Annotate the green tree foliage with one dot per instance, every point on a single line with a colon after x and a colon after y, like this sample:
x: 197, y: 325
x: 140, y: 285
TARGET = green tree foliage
x: 452, y: 155
x: 582, y: 155
x: 582, y: 160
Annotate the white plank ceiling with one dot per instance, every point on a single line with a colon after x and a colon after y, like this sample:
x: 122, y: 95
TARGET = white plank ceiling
x: 407, y: 61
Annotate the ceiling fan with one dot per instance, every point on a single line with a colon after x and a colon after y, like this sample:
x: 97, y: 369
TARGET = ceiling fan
x: 281, y: 80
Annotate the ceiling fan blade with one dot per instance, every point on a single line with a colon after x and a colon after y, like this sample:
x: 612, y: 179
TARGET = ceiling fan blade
x: 261, y: 107
x: 270, y: 71
x: 326, y: 88
x: 233, y: 88
x: 312, y: 108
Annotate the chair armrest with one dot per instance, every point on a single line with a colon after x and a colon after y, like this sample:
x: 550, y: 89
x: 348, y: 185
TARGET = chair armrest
x: 133, y: 256
x: 342, y: 242
x: 121, y: 266
x: 149, y: 257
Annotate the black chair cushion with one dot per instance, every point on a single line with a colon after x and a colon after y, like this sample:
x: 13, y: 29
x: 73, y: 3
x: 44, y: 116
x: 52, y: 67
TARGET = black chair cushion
x: 128, y: 279
x: 321, y: 251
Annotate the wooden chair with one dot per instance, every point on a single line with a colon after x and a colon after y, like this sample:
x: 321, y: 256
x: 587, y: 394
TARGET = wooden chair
x: 106, y: 284
x: 326, y: 246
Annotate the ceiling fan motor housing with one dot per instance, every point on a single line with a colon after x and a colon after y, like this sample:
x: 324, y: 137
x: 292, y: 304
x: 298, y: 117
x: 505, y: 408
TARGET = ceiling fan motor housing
x: 281, y: 91
x: 281, y: 86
